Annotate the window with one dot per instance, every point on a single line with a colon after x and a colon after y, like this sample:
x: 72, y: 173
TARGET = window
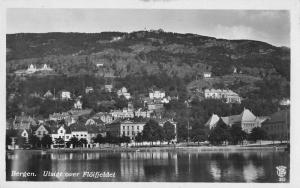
x: 61, y: 131
x: 39, y: 132
x: 85, y: 135
x: 127, y: 133
x: 67, y: 137
x: 123, y: 127
x: 81, y: 134
x: 124, y: 133
x: 138, y: 127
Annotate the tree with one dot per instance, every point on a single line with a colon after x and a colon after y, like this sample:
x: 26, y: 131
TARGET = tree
x: 152, y: 131
x: 125, y: 139
x: 74, y: 141
x: 99, y: 139
x: 21, y: 141
x: 34, y: 141
x: 82, y: 141
x: 59, y: 141
x: 219, y: 134
x: 139, y: 138
x: 257, y: 133
x: 199, y: 134
x: 169, y: 130
x: 46, y: 141
x: 237, y: 134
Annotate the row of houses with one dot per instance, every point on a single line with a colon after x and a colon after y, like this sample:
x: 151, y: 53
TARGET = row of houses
x: 277, y: 125
x: 63, y: 132
x: 33, y: 68
x: 89, y: 130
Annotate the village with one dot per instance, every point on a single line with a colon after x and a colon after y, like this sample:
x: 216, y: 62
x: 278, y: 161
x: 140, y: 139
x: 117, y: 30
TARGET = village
x: 83, y: 127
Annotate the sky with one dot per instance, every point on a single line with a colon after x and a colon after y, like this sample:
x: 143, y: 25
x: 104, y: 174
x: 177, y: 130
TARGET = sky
x: 271, y: 26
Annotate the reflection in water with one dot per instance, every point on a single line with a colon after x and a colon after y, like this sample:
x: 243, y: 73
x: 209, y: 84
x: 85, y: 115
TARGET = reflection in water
x: 151, y: 166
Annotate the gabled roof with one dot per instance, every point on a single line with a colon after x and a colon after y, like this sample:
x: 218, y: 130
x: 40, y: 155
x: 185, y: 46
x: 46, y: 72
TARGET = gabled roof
x: 247, y: 115
x: 212, y: 121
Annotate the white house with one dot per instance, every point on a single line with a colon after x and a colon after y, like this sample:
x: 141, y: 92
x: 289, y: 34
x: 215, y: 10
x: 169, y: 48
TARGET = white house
x: 89, y: 90
x: 62, y: 132
x: 228, y: 95
x: 79, y: 132
x: 65, y: 95
x: 31, y: 69
x: 123, y: 92
x: 206, y: 74
x: 78, y: 104
x: 45, y: 68
x: 157, y: 94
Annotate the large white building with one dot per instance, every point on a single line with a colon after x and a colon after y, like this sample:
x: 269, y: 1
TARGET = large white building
x: 247, y: 120
x: 228, y: 95
x: 157, y: 94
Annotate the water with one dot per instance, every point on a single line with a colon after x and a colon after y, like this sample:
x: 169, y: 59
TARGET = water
x: 155, y: 166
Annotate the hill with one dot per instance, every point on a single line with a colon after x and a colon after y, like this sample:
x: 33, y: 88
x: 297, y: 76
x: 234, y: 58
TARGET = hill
x: 151, y: 52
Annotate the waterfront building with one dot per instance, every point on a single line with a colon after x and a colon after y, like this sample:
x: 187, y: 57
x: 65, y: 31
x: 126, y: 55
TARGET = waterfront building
x: 63, y: 132
x: 79, y: 131
x: 278, y: 125
x: 41, y: 131
x: 24, y: 133
x: 228, y: 95
x: 247, y: 120
x: 126, y: 128
x: 212, y: 122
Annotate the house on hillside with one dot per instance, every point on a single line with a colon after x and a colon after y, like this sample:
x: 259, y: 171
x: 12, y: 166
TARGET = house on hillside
x: 108, y: 87
x: 157, y: 94
x: 104, y: 116
x: 123, y: 92
x: 206, y: 74
x: 89, y: 90
x: 65, y: 95
x: 23, y: 122
x: 228, y: 95
x: 48, y: 95
x: 78, y: 105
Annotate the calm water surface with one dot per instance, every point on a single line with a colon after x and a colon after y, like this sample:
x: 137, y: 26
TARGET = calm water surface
x: 160, y: 166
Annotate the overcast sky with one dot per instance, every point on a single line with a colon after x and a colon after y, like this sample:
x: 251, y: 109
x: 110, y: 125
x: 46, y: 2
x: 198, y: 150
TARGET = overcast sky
x: 268, y: 26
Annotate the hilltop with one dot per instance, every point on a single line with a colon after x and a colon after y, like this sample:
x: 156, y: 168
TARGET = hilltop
x: 152, y: 52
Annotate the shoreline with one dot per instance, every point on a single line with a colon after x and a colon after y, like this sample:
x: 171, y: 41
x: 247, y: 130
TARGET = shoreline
x: 167, y: 148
